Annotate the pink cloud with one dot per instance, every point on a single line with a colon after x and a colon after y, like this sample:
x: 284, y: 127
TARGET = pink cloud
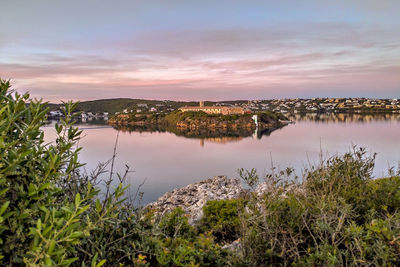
x: 218, y: 64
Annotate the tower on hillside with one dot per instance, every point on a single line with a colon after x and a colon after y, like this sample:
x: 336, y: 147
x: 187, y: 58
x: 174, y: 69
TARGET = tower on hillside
x: 201, y: 103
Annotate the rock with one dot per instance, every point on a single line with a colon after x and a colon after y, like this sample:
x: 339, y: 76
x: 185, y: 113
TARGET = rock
x: 193, y: 197
x: 263, y: 188
x: 234, y: 246
x: 268, y: 187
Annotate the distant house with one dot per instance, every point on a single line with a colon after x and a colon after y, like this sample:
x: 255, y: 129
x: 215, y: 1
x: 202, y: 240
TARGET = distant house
x: 153, y: 109
x: 214, y: 109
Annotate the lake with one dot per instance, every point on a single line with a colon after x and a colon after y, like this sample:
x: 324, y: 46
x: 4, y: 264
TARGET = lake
x: 166, y: 161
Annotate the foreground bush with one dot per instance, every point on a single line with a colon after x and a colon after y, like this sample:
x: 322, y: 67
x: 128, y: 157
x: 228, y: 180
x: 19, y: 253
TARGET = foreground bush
x: 48, y: 210
x: 338, y: 216
x: 221, y: 217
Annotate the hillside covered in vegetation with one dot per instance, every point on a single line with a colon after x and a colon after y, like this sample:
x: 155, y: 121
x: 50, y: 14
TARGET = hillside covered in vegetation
x: 200, y: 120
x: 51, y: 214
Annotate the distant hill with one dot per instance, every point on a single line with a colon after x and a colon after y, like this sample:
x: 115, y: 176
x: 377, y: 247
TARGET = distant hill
x: 114, y: 105
x: 297, y: 105
x: 119, y: 104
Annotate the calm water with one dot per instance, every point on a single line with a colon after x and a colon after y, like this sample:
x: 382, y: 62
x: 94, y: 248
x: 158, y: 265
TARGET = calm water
x: 167, y: 161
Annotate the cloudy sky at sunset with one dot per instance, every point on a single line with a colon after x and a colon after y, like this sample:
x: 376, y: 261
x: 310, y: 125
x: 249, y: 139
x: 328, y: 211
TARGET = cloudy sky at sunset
x: 188, y: 50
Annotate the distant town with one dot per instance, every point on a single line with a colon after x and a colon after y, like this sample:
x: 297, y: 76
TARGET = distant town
x: 102, y: 109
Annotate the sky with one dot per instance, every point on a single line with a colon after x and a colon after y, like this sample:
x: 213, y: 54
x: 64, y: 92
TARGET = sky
x: 208, y: 50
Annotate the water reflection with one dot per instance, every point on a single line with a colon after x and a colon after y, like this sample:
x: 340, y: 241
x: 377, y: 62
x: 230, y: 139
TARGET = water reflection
x: 345, y: 117
x: 221, y: 140
x: 219, y: 135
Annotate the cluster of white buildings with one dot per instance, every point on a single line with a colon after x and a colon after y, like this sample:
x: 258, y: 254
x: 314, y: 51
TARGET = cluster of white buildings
x: 296, y: 105
x: 55, y: 114
x: 144, y: 107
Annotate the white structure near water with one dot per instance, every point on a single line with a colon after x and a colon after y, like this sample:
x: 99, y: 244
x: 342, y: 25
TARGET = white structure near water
x: 255, y: 119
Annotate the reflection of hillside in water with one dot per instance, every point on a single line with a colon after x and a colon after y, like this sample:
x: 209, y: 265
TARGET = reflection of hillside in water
x: 345, y: 117
x: 221, y: 136
x: 221, y: 140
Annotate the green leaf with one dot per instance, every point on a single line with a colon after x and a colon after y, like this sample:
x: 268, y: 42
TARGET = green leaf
x: 51, y: 246
x: 68, y: 262
x: 44, y: 186
x: 39, y: 225
x: 31, y: 190
x: 101, y: 263
x: 2, y: 192
x: 67, y: 210
x: 24, y: 214
x: 83, y: 209
x: 93, y: 263
x: 76, y: 234
x: 77, y: 199
x: 98, y: 206
x: 46, y: 230
x: 4, y: 207
x: 48, y: 261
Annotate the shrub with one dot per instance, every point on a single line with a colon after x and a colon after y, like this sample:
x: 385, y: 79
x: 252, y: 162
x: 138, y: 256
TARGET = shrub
x: 376, y: 242
x: 384, y: 194
x: 338, y: 216
x: 344, y: 177
x: 40, y: 223
x: 180, y: 246
x: 221, y: 217
x: 51, y: 214
x: 176, y: 224
x: 200, y: 251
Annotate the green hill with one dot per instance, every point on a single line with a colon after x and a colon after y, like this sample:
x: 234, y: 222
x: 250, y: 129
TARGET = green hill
x: 119, y: 104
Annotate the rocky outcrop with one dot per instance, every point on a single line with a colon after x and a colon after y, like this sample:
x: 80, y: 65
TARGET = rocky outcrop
x: 193, y: 197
